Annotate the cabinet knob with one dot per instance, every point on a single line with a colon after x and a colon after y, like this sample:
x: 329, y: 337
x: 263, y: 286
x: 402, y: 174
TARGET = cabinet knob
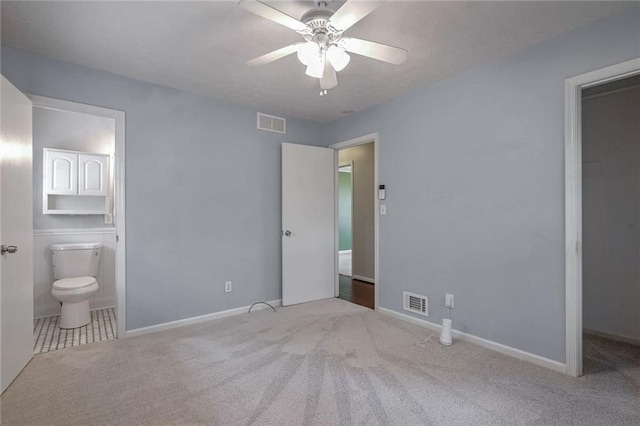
x: 8, y: 249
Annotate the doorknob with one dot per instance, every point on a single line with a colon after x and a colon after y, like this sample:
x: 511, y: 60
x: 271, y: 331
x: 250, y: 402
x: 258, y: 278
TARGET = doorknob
x: 8, y: 249
x: 287, y: 233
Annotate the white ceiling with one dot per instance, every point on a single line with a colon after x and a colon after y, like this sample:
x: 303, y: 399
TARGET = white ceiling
x: 203, y: 47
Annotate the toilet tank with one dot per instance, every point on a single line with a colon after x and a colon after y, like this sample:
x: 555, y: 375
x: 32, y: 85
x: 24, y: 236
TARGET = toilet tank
x: 75, y: 260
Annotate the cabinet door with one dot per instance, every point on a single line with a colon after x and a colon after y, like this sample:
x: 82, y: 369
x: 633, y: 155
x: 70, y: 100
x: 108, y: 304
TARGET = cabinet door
x: 93, y: 174
x: 61, y: 172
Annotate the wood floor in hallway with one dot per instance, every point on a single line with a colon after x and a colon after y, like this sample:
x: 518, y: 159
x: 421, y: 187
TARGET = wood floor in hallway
x: 355, y: 291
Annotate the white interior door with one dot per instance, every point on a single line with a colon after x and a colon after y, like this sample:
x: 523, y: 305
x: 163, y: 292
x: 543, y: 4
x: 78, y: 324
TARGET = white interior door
x: 308, y: 223
x: 16, y: 229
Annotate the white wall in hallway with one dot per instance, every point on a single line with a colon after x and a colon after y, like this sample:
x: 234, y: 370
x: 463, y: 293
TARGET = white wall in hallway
x: 44, y: 304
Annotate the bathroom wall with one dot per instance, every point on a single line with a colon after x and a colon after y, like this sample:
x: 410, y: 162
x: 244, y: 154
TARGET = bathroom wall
x: 611, y: 213
x: 76, y: 132
x: 363, y: 228
x: 474, y: 171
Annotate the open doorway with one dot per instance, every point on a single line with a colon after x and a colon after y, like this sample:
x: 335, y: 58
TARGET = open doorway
x: 611, y: 226
x: 78, y: 224
x: 356, y: 224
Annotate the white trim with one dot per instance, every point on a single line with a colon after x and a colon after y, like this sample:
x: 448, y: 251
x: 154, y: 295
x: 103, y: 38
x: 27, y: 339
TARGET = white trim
x: 373, y: 137
x: 498, y: 347
x: 199, y: 319
x: 573, y: 202
x: 94, y: 304
x: 344, y: 251
x: 611, y: 336
x: 119, y: 219
x: 361, y: 278
x: 72, y: 231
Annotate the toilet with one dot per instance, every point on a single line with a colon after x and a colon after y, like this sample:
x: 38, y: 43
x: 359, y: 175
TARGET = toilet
x: 75, y: 267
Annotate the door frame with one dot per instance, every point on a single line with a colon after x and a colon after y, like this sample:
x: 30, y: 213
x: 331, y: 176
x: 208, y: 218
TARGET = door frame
x: 119, y: 219
x: 372, y: 137
x: 573, y: 201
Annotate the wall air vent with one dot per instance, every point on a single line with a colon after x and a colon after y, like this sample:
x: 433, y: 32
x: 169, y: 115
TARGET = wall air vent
x: 272, y: 123
x: 416, y: 303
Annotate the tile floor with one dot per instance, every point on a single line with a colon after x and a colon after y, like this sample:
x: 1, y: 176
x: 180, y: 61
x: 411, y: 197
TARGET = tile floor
x: 47, y: 336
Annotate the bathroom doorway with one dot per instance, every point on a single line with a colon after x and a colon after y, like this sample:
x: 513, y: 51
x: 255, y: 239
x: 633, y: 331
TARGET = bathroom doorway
x: 78, y: 187
x: 357, y: 223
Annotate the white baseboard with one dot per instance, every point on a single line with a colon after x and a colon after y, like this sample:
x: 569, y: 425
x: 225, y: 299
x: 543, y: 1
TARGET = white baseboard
x: 344, y: 251
x: 498, y: 347
x: 199, y: 319
x: 361, y: 278
x: 611, y: 336
x: 52, y: 310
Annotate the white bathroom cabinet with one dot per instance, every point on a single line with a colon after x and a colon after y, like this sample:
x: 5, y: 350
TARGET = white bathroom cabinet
x: 75, y: 182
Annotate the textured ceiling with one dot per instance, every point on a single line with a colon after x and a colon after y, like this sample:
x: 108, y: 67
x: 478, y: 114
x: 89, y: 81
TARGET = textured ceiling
x: 203, y: 47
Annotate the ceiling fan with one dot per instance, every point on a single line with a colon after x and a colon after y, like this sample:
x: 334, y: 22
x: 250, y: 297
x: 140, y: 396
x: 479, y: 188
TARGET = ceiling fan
x: 325, y: 50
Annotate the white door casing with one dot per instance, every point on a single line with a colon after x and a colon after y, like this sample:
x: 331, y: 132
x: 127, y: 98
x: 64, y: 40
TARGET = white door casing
x: 308, y: 223
x: 16, y: 228
x: 370, y: 138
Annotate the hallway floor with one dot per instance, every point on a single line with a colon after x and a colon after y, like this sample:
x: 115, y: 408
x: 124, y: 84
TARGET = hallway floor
x: 358, y: 292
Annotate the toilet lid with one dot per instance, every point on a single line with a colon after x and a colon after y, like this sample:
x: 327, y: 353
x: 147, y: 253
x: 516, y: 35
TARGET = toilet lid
x: 73, y: 283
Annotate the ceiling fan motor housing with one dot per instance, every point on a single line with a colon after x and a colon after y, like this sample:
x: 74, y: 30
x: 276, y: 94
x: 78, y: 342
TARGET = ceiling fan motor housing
x: 318, y: 28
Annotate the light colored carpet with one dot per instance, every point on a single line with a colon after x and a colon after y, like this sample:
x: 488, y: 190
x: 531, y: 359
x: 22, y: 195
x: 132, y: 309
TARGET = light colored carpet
x: 344, y: 263
x: 327, y: 362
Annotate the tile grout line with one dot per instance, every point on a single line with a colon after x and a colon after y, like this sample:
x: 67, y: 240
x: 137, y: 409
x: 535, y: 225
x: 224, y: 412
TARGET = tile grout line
x: 48, y: 336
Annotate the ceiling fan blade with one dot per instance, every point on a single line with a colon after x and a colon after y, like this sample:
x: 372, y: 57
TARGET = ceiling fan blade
x: 381, y: 52
x: 351, y: 12
x: 329, y: 79
x: 272, y: 14
x: 273, y: 56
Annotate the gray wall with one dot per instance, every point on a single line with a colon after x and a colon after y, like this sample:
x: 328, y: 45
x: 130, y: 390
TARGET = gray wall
x: 611, y: 213
x: 363, y: 233
x: 474, y: 168
x: 189, y: 227
x: 75, y: 132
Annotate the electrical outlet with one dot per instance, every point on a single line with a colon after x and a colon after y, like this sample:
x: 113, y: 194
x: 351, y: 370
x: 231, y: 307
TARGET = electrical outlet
x: 108, y: 218
x: 448, y: 300
x: 383, y: 209
x: 227, y: 287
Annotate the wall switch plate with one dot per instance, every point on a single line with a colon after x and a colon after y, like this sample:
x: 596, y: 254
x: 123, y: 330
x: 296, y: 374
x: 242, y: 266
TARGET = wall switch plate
x: 227, y: 287
x: 448, y: 300
x: 383, y: 209
x: 108, y: 218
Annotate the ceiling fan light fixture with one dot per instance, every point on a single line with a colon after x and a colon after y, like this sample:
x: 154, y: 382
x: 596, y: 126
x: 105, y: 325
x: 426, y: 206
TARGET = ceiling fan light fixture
x: 338, y: 57
x: 316, y: 67
x: 308, y: 52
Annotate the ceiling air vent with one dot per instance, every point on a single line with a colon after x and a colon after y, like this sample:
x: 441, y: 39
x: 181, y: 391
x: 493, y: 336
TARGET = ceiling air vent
x: 416, y: 303
x: 272, y: 123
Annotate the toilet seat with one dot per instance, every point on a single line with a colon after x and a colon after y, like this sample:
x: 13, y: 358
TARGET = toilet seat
x: 75, y: 283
